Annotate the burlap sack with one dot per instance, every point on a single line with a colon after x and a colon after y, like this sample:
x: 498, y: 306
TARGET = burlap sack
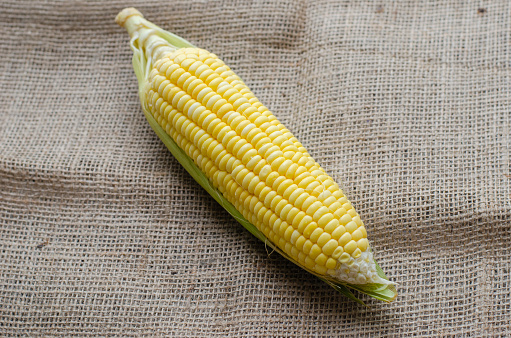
x: 406, y: 103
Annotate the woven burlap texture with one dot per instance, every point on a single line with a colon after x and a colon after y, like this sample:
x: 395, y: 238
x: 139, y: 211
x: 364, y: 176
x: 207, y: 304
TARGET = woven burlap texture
x: 407, y: 104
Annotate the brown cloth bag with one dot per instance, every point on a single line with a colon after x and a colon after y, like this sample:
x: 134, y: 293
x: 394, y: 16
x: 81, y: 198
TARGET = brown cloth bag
x: 407, y: 104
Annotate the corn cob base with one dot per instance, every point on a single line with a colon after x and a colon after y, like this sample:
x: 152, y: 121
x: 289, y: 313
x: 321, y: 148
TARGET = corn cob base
x: 249, y: 156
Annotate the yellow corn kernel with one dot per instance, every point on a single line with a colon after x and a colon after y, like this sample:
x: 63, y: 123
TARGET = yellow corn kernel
x: 337, y: 252
x: 288, y: 232
x: 300, y: 241
x: 294, y: 237
x: 331, y: 263
x: 319, y: 213
x: 338, y: 232
x: 356, y: 235
x: 345, y: 239
x: 356, y: 253
x: 321, y: 259
x: 309, y: 229
x: 345, y: 257
x: 357, y: 220
x: 336, y: 207
x: 350, y: 246
x: 345, y: 219
x: 324, y: 219
x: 314, y: 237
x: 315, y: 251
x: 323, y: 238
x: 320, y: 269
x: 363, y: 244
x: 363, y: 230
x: 309, y: 262
x: 306, y: 248
x: 304, y: 223
x: 331, y: 226
x: 351, y: 226
x: 330, y: 247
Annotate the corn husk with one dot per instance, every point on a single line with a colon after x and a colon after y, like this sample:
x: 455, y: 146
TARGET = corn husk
x: 142, y: 65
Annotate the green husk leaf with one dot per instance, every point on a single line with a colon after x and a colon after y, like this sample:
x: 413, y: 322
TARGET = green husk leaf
x: 142, y: 67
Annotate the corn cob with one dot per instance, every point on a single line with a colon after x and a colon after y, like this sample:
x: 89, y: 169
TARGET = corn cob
x: 250, y: 158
